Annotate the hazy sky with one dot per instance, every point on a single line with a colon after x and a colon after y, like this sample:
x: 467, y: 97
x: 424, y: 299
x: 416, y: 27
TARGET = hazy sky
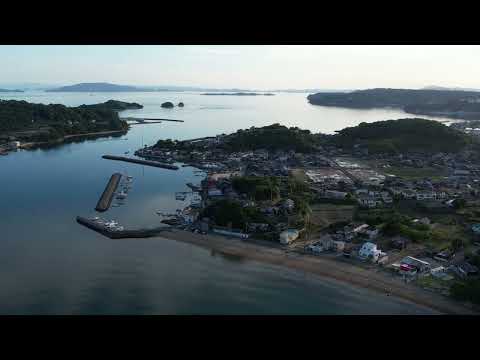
x: 254, y: 67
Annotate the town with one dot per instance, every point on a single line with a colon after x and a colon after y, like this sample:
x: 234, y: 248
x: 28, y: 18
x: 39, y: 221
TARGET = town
x: 413, y: 215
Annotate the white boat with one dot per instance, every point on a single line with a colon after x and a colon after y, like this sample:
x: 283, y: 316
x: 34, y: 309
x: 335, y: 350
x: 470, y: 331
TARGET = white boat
x: 121, y: 195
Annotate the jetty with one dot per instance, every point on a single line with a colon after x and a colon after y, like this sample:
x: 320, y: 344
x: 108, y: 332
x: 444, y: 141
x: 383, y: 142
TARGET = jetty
x: 106, y: 199
x: 142, y: 162
x: 148, y: 120
x: 120, y: 234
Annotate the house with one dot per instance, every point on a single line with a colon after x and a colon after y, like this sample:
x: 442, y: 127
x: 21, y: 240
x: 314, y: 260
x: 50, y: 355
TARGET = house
x: 258, y: 227
x: 288, y: 236
x: 399, y: 242
x: 369, y: 251
x: 368, y: 202
x: 333, y: 194
x: 213, y: 191
x: 326, y: 242
x: 444, y: 256
x: 461, y: 173
x: 425, y: 195
x: 238, y: 234
x: 466, y: 269
x: 370, y: 231
x: 420, y: 265
x: 190, y: 215
x: 315, y: 248
x: 288, y: 204
x: 361, y: 192
x: 408, y: 194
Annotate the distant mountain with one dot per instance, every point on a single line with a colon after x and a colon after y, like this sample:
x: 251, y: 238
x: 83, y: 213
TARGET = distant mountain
x: 442, y: 88
x: 7, y: 90
x: 97, y: 87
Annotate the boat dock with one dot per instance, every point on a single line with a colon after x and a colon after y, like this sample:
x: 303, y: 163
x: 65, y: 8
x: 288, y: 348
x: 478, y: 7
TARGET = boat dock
x: 120, y: 234
x: 142, y: 162
x: 106, y: 199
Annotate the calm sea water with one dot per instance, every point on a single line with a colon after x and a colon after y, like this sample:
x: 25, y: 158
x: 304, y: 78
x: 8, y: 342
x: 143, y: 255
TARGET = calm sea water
x: 51, y: 265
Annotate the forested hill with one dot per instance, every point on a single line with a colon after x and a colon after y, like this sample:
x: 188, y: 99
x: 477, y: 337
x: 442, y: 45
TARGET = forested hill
x: 113, y: 105
x: 55, y: 120
x: 404, y: 135
x: 272, y: 137
x: 389, y: 98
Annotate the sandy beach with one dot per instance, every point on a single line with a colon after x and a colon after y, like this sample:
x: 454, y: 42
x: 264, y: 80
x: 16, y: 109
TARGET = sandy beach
x: 323, y: 266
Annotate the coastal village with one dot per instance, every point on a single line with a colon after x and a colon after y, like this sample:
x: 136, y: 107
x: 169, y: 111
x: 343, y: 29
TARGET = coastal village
x: 415, y: 217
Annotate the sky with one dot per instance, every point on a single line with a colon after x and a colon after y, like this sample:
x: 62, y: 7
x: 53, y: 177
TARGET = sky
x: 249, y: 67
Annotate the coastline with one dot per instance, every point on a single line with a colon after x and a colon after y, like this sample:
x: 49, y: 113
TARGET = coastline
x: 61, y: 140
x: 323, y: 267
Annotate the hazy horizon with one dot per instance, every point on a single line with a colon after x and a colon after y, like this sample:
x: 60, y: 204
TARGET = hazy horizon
x: 244, y: 67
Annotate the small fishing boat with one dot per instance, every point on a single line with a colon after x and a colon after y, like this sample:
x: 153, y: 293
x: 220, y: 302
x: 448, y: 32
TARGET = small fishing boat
x: 121, y: 195
x: 181, y: 197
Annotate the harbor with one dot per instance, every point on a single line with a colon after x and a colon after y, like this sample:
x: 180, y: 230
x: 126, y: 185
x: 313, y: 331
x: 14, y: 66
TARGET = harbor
x: 142, y: 162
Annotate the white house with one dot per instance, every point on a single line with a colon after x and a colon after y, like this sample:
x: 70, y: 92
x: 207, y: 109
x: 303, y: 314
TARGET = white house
x: 369, y: 250
x: 288, y: 236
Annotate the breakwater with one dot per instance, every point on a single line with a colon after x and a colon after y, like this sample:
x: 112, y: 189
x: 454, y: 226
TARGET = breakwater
x: 106, y: 199
x: 121, y: 234
x: 142, y: 162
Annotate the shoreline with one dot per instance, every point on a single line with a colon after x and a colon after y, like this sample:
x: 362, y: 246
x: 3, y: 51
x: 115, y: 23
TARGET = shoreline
x: 324, y: 267
x: 61, y: 140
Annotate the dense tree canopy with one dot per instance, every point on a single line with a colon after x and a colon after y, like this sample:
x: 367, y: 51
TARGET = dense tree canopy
x: 272, y: 137
x: 58, y: 120
x: 404, y: 135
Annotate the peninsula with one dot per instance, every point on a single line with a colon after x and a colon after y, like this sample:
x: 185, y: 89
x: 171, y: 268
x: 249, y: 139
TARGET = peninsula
x: 390, y: 205
x: 447, y: 103
x: 37, y: 123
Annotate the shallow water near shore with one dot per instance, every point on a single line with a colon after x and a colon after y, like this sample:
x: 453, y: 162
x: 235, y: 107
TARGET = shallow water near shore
x: 49, y: 264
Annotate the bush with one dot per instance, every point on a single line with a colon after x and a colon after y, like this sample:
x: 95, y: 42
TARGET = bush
x: 467, y: 291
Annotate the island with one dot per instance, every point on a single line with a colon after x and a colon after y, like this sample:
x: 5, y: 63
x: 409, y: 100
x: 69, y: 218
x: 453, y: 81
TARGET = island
x: 32, y: 124
x: 392, y: 206
x: 10, y: 91
x: 448, y: 103
x: 98, y: 87
x: 167, y: 105
x: 238, y: 94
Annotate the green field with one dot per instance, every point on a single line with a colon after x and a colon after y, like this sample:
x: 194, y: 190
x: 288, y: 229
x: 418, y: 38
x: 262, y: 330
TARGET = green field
x: 325, y: 214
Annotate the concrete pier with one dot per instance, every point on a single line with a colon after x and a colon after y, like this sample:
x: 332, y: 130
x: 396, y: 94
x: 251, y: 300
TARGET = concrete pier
x: 106, y: 199
x: 142, y: 162
x: 121, y: 234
